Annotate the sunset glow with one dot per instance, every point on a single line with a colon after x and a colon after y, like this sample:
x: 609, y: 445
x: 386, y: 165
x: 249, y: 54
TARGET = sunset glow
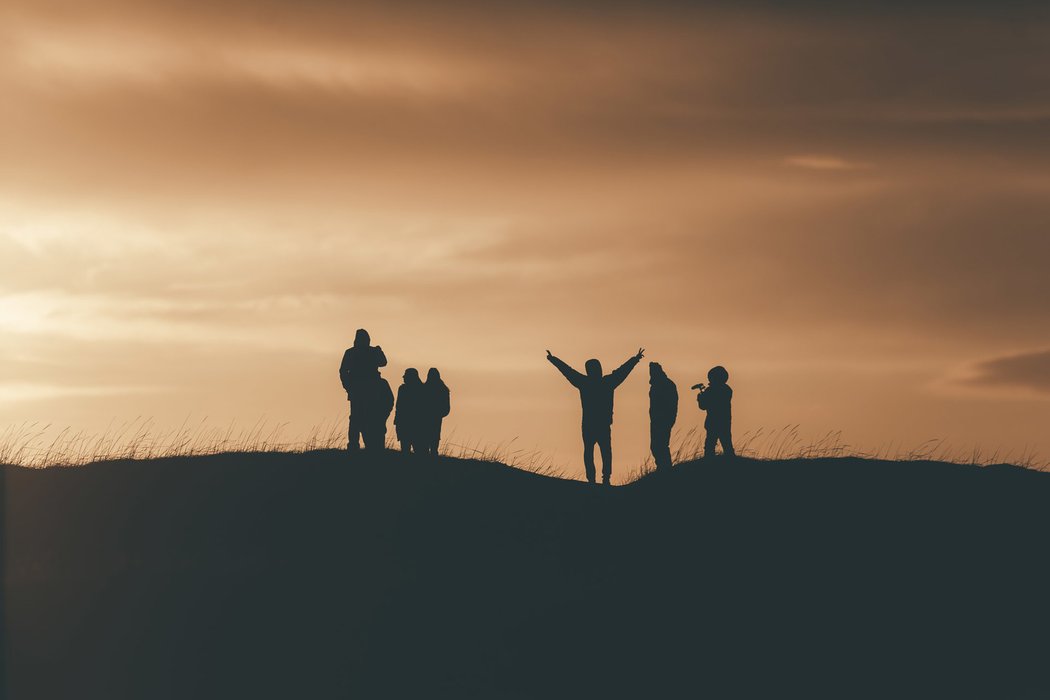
x: 200, y: 203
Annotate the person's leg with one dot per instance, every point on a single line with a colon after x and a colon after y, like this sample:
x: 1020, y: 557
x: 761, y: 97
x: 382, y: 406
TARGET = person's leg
x: 588, y: 456
x: 665, y: 447
x: 654, y: 444
x: 436, y: 439
x: 661, y: 446
x: 709, y: 441
x: 666, y: 442
x: 605, y: 445
x: 366, y: 435
x: 352, y: 433
x: 726, y: 438
x: 376, y: 439
x: 431, y: 440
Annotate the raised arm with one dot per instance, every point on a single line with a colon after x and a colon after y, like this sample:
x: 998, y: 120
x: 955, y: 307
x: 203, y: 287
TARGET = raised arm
x: 380, y: 357
x: 574, y: 377
x: 621, y: 372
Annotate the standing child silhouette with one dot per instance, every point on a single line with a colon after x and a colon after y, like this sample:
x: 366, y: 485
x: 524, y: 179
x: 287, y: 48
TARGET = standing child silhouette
x: 717, y: 399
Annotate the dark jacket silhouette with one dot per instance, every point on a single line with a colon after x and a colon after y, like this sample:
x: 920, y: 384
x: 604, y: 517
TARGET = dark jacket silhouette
x: 361, y: 363
x: 359, y: 373
x: 596, y: 398
x: 438, y: 405
x: 410, y: 412
x: 663, y: 412
x: 717, y: 399
x: 375, y: 411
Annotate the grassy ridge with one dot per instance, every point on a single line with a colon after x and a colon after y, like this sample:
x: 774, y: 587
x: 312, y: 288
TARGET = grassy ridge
x: 316, y: 575
x: 46, y: 445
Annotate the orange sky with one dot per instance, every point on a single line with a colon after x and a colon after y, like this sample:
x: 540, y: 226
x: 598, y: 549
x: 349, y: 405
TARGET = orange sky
x: 848, y: 208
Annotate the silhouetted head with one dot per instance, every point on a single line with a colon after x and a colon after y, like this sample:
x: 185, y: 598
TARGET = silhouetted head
x: 433, y: 375
x: 594, y: 368
x: 411, y: 376
x: 656, y: 372
x: 362, y: 340
x: 718, y: 375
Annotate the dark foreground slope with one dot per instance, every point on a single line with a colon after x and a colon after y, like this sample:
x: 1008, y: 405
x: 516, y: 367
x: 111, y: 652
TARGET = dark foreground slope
x: 314, y: 576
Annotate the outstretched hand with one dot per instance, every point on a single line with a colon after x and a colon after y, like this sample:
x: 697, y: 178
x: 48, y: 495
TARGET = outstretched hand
x: 641, y: 353
x: 549, y: 355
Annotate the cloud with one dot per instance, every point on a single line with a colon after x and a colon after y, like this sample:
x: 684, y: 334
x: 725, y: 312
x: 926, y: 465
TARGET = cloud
x: 473, y: 84
x: 20, y: 392
x: 815, y: 162
x: 1028, y: 370
x: 90, y: 57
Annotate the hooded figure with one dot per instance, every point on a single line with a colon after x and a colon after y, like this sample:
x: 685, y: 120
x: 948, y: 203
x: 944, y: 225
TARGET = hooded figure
x: 663, y: 411
x: 359, y: 374
x: 596, y: 398
x: 438, y: 406
x: 361, y: 362
x: 717, y: 399
x: 410, y: 412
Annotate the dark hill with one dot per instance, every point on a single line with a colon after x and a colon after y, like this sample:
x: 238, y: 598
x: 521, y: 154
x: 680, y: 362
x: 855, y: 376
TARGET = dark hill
x: 317, y: 576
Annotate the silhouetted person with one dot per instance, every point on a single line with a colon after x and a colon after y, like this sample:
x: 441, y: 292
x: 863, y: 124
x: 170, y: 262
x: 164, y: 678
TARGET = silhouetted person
x: 358, y: 372
x: 410, y: 413
x: 596, y: 396
x: 438, y: 405
x: 717, y: 399
x: 375, y: 410
x: 663, y: 412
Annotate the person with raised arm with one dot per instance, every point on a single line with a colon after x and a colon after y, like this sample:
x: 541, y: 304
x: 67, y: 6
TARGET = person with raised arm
x: 596, y: 399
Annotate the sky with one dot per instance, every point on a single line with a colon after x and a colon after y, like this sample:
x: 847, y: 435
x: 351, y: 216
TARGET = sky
x: 846, y: 205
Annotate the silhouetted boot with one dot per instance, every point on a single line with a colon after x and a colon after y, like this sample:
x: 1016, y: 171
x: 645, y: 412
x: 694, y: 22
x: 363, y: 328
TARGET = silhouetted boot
x: 710, y: 440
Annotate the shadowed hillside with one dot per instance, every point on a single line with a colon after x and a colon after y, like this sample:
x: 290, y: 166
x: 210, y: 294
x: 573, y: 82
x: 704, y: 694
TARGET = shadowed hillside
x: 316, y: 576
